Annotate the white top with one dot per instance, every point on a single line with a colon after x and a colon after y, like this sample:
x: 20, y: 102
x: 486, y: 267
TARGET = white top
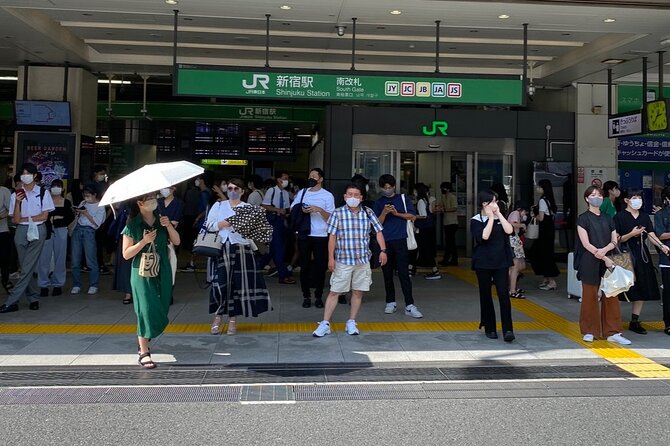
x: 219, y: 212
x: 276, y: 201
x: 543, y: 206
x: 32, y: 206
x: 97, y: 212
x: 5, y: 197
x: 323, y: 199
x: 255, y: 198
x: 421, y: 208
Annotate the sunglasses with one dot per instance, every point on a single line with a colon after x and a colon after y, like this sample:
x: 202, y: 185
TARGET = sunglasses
x: 234, y: 188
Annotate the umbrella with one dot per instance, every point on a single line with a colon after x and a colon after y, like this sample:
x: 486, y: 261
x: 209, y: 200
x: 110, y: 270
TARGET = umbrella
x: 251, y: 223
x: 149, y: 178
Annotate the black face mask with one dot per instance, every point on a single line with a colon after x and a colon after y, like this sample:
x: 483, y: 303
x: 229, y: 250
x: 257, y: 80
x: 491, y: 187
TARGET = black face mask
x: 312, y: 182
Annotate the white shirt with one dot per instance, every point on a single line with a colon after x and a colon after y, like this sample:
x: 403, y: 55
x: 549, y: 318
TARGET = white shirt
x: 5, y: 197
x: 32, y: 206
x: 421, y: 208
x: 219, y: 212
x: 255, y: 198
x: 321, y: 198
x: 543, y: 206
x: 97, y: 212
x: 275, y: 201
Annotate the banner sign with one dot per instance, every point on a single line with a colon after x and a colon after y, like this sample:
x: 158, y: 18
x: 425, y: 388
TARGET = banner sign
x: 624, y: 125
x: 216, y: 162
x: 51, y: 152
x: 347, y: 86
x: 644, y: 149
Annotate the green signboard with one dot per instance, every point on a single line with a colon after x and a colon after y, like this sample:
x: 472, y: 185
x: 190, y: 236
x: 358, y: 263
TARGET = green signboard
x: 629, y: 97
x: 347, y: 86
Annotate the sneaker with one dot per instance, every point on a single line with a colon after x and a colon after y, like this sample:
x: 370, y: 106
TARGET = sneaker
x: 85, y: 269
x: 435, y: 275
x: 289, y: 268
x: 104, y: 270
x: 588, y: 337
x: 351, y: 328
x: 636, y: 326
x: 272, y: 272
x: 15, y: 275
x: 619, y: 339
x: 188, y: 268
x: 322, y: 330
x: 93, y: 290
x: 390, y: 308
x: 296, y: 269
x: 412, y: 310
x: 318, y: 303
x: 75, y: 290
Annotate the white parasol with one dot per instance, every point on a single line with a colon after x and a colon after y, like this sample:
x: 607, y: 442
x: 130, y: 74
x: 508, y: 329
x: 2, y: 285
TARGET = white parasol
x: 149, y: 178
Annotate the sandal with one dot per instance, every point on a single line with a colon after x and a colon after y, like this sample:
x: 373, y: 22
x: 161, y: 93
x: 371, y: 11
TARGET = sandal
x: 516, y: 295
x: 146, y: 364
x: 232, y: 327
x: 216, y: 326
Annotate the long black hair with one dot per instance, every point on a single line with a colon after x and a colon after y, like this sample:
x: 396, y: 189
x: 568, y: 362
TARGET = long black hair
x: 421, y: 191
x: 548, y: 194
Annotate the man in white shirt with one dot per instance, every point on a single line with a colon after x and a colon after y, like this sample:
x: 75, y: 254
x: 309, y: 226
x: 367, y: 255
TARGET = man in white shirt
x: 277, y: 204
x: 28, y: 206
x: 318, y: 204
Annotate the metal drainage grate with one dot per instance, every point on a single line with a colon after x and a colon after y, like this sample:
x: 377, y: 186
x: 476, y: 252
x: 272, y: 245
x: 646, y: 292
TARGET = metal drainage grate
x: 267, y: 394
x: 359, y: 392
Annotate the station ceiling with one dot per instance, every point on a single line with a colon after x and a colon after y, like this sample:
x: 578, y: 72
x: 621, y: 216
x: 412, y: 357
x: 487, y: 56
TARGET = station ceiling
x: 568, y: 39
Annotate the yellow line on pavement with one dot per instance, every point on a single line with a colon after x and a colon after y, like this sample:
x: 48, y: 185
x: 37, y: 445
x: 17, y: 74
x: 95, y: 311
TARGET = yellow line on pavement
x: 629, y: 360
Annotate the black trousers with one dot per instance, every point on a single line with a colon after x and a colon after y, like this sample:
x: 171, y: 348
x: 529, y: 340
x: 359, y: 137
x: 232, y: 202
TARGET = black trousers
x: 397, y: 258
x: 665, y: 276
x: 5, y: 258
x: 488, y: 313
x: 450, y: 249
x: 313, y: 264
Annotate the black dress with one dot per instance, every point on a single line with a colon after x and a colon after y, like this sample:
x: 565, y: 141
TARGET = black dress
x: 599, y: 228
x: 646, y: 284
x: 542, y: 251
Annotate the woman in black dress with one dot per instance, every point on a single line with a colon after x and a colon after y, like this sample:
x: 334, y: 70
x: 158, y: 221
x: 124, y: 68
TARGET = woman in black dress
x: 491, y: 260
x: 542, y: 258
x: 634, y: 226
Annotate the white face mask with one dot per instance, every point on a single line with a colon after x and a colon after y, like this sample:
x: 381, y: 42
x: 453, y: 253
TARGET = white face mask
x: 197, y: 183
x: 150, y: 205
x: 56, y: 190
x: 88, y: 199
x: 27, y: 178
x: 353, y: 202
x: 100, y: 178
x: 636, y: 203
x: 166, y: 192
x: 284, y: 184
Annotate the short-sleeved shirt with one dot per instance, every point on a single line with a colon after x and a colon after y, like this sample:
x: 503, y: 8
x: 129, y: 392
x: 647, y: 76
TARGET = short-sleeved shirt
x: 608, y: 208
x: 599, y: 228
x: 395, y: 228
x: 449, y: 202
x: 173, y: 211
x: 493, y: 253
x: 255, y: 198
x: 352, y: 234
x: 97, y: 212
x: 273, y: 197
x: 543, y: 206
x: 32, y: 206
x: 321, y: 198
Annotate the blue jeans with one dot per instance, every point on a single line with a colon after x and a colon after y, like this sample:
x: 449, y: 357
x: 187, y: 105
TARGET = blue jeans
x: 83, y: 242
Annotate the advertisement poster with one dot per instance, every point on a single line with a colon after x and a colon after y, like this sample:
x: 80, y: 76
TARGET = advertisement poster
x: 52, y: 153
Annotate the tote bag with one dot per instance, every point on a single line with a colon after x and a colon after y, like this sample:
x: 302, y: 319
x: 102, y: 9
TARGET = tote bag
x: 533, y: 230
x: 411, y: 239
x: 208, y: 244
x: 150, y: 262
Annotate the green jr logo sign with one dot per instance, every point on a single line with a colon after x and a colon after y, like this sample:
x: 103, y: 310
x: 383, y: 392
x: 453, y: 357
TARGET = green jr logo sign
x: 437, y: 126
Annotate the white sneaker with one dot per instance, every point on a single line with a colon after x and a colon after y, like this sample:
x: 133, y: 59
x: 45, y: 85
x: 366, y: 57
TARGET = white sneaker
x: 588, y: 338
x: 390, y: 308
x: 322, y: 330
x: 75, y: 290
x: 619, y: 339
x: 93, y: 290
x: 351, y: 328
x: 412, y: 310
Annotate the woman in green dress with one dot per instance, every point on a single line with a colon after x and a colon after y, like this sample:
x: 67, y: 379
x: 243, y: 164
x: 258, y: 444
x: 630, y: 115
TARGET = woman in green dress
x: 151, y: 295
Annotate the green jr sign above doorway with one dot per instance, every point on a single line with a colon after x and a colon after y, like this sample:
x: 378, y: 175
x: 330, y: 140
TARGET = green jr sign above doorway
x: 348, y: 86
x: 436, y: 127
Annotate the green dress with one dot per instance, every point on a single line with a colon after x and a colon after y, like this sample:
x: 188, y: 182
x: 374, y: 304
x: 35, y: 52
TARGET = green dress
x: 151, y: 295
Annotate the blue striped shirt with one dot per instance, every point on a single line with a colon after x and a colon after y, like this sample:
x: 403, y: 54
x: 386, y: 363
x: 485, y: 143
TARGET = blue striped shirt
x: 352, y: 233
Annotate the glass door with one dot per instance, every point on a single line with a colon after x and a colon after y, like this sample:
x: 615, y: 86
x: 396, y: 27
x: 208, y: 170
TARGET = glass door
x: 374, y: 163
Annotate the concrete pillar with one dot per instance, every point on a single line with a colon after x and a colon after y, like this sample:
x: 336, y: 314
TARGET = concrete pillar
x: 81, y: 90
x: 596, y: 158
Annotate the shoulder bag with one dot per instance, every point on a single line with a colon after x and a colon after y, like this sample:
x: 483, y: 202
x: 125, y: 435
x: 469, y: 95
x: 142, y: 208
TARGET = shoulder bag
x: 208, y: 244
x: 150, y: 262
x: 532, y: 230
x: 411, y: 238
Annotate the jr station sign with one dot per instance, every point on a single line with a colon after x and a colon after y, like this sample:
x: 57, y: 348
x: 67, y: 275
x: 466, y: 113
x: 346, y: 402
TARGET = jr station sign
x: 351, y: 86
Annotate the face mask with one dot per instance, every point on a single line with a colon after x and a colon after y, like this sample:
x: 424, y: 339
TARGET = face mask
x: 166, y: 192
x: 284, y: 184
x: 367, y: 188
x: 197, y: 183
x: 56, y: 190
x: 100, y: 178
x: 150, y: 205
x: 596, y: 202
x: 388, y: 192
x: 224, y: 186
x: 636, y: 203
x: 27, y: 178
x: 353, y: 202
x: 234, y: 194
x: 312, y: 182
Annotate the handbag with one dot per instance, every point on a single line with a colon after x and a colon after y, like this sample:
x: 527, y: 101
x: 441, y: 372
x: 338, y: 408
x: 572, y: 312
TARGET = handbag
x: 411, y: 238
x: 533, y: 230
x: 150, y: 262
x: 33, y: 231
x: 208, y: 244
x: 616, y: 281
x: 300, y: 222
x: 624, y: 259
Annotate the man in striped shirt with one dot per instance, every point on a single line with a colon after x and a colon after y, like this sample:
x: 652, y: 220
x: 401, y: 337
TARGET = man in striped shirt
x: 349, y: 256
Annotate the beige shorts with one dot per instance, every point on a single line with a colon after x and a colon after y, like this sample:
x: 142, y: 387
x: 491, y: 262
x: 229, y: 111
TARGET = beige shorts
x: 347, y: 277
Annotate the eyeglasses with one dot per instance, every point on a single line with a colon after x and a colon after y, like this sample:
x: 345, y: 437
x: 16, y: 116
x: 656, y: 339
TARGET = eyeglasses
x: 234, y: 188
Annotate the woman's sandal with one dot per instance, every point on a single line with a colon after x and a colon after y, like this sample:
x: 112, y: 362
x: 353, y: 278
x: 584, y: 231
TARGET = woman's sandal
x: 516, y: 295
x: 146, y: 364
x: 216, y: 326
x: 232, y: 327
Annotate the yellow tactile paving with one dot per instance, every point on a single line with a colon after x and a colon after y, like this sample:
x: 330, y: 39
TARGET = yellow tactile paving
x: 620, y: 356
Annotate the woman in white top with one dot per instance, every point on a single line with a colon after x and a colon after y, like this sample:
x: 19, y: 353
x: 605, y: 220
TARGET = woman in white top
x: 238, y: 285
x: 89, y: 216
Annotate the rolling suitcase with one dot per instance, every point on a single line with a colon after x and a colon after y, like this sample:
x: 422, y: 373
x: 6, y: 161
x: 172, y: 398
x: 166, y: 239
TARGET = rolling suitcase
x: 574, y: 286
